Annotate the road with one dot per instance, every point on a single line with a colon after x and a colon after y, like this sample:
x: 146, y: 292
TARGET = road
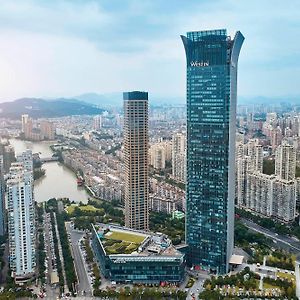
x: 195, y: 289
x: 291, y: 243
x: 84, y: 285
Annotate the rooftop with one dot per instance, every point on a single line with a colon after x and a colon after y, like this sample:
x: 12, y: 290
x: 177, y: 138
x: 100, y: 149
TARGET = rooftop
x: 135, y: 95
x: 120, y: 240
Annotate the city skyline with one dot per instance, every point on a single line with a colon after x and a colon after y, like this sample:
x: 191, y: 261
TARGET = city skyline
x: 55, y: 49
x: 152, y: 150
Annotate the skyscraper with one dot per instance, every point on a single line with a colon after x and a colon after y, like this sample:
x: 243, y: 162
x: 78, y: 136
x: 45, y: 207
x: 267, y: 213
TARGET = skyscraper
x: 157, y: 156
x: 47, y: 130
x: 136, y: 160
x: 26, y: 159
x: 212, y: 59
x: 285, y: 162
x: 179, y: 156
x: 21, y: 222
x: 24, y: 122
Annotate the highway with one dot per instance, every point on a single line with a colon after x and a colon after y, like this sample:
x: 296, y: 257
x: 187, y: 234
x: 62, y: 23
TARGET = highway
x: 84, y: 286
x: 291, y: 243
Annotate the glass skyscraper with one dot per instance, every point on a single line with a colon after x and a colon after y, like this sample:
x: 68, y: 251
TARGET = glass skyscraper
x: 212, y: 59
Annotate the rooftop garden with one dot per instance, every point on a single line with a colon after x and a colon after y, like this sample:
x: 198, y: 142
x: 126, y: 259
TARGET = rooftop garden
x: 119, y: 242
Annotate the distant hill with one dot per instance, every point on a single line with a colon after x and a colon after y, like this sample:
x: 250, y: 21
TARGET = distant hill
x: 39, y: 108
x: 116, y: 99
x: 268, y: 100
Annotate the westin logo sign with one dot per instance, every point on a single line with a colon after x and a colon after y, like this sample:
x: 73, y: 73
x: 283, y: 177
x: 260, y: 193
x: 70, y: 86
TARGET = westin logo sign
x: 199, y: 63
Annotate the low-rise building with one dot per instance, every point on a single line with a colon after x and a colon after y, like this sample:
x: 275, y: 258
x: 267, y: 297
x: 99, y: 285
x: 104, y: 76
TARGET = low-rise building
x: 131, y: 256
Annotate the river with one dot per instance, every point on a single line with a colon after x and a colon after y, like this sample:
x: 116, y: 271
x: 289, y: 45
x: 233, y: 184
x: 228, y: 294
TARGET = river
x: 58, y: 182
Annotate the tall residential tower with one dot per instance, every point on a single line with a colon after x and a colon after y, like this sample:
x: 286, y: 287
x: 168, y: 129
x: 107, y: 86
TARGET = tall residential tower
x: 212, y: 58
x: 21, y: 222
x: 136, y: 160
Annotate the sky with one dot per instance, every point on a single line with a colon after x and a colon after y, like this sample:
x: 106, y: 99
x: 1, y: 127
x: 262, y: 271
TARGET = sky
x: 62, y: 48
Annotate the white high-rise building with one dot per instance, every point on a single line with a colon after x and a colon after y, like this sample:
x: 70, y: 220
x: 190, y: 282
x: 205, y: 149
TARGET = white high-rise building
x: 179, y: 157
x: 24, y: 122
x: 158, y: 156
x: 249, y: 159
x: 97, y: 125
x: 271, y: 118
x: 284, y: 200
x: 21, y: 222
x: 270, y: 195
x: 285, y: 162
x: 26, y: 159
x: 255, y: 153
x: 259, y: 193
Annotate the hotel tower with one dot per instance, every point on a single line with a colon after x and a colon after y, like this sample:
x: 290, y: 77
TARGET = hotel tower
x: 211, y: 60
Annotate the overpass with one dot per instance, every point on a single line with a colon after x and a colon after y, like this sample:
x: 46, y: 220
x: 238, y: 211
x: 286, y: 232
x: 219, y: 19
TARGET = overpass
x: 48, y: 159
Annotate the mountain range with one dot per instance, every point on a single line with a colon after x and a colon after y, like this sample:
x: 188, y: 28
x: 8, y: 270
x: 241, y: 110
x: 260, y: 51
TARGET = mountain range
x: 39, y: 108
x: 93, y: 103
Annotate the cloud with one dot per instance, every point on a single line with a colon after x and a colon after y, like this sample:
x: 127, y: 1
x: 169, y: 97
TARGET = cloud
x: 62, y: 48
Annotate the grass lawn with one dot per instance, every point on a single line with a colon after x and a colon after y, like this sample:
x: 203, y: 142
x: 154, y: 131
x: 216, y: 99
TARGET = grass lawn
x: 121, y: 248
x: 124, y: 236
x: 190, y: 282
x: 71, y: 208
x: 270, y: 286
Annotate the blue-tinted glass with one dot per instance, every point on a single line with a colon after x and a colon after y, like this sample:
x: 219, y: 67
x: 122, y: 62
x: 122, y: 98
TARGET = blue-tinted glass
x: 211, y: 105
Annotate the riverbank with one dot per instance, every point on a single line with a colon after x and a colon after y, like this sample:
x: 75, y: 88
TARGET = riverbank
x: 59, y: 180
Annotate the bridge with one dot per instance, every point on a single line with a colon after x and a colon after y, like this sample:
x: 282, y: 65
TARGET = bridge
x: 48, y: 159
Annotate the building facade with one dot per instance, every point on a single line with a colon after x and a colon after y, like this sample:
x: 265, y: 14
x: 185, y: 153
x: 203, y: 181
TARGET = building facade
x: 47, y: 130
x: 21, y: 223
x: 157, y: 156
x: 97, y: 122
x: 268, y: 195
x: 26, y: 159
x: 284, y: 200
x: 179, y: 157
x: 212, y: 58
x: 259, y: 193
x: 249, y: 160
x: 285, y: 162
x: 136, y: 160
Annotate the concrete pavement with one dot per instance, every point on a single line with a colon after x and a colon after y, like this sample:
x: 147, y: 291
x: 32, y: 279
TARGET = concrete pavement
x: 195, y: 289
